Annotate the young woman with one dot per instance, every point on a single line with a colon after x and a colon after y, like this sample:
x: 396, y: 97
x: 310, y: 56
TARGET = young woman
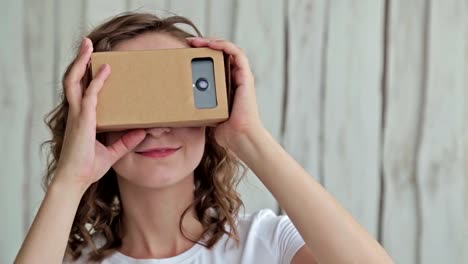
x: 109, y: 201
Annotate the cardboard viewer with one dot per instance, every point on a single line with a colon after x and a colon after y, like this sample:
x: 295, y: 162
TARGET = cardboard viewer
x: 154, y: 88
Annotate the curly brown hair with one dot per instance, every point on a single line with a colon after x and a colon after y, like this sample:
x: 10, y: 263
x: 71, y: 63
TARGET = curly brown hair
x: 99, y: 213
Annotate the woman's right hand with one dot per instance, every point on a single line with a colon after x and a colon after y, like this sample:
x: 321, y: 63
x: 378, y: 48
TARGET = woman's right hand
x: 83, y: 159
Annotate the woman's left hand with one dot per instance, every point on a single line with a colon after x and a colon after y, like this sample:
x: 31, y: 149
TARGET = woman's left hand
x: 244, y: 119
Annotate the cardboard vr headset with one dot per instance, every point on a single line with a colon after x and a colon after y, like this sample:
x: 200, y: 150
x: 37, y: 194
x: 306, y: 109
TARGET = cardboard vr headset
x: 163, y: 88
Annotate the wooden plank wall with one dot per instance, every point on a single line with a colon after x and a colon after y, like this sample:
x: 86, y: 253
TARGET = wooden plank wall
x: 353, y: 105
x: 369, y: 96
x: 12, y: 114
x: 403, y: 85
x: 440, y: 166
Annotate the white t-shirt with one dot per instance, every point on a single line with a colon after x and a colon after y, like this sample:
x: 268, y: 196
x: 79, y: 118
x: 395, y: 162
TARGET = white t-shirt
x: 264, y: 236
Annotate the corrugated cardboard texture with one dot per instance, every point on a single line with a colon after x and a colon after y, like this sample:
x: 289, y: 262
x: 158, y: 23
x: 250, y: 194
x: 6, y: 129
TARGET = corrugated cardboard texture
x: 154, y: 88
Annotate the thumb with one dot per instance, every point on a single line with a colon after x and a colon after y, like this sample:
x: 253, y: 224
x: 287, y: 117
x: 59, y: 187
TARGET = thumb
x: 125, y: 144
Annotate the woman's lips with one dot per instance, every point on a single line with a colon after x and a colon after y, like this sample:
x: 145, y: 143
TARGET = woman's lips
x: 158, y: 153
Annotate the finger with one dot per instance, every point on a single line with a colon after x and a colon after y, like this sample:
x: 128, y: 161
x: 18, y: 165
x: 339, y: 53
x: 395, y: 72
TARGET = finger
x: 197, y: 40
x: 89, y: 102
x: 240, y: 65
x: 73, y: 89
x: 126, y: 144
x: 81, y: 61
x: 238, y: 56
x: 97, y: 83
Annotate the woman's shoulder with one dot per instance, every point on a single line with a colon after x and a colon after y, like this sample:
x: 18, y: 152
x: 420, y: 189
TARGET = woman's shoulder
x: 262, y: 217
x: 264, y: 223
x: 271, y: 232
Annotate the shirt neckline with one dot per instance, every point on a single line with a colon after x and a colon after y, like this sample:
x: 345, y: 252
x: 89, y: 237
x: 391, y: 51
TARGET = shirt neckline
x: 171, y: 260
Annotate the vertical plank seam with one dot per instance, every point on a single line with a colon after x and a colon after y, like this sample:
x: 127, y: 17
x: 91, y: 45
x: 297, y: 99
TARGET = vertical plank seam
x: 384, y: 98
x: 286, y: 36
x: 323, y: 93
x: 235, y: 12
x: 57, y: 44
x: 84, y: 26
x: 26, y: 197
x: 127, y: 5
x: 420, y: 128
x: 168, y: 6
x: 208, y: 18
x: 285, y: 72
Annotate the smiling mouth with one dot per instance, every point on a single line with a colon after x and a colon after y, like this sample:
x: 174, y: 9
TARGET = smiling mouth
x: 159, y: 153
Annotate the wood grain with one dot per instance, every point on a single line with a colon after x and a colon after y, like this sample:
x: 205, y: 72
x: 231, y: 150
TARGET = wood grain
x: 39, y: 58
x: 441, y: 153
x: 259, y: 30
x: 96, y: 12
x: 465, y: 153
x: 303, y: 101
x: 69, y: 31
x: 13, y: 116
x: 404, y: 91
x: 159, y: 7
x: 195, y: 10
x: 220, y: 19
x: 353, y: 107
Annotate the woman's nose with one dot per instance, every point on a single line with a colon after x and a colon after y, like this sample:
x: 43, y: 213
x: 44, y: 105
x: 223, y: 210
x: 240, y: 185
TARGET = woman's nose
x: 158, y: 131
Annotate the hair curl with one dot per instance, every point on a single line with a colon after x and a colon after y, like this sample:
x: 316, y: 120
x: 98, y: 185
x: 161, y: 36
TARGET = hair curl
x: 99, y: 213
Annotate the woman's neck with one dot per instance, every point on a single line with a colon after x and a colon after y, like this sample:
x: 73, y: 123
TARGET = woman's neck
x: 151, y: 220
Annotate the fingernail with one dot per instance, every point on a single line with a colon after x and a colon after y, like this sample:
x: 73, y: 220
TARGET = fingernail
x: 84, y: 46
x: 199, y: 39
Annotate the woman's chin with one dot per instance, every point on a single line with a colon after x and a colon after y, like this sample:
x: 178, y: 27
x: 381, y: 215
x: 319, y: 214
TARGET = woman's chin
x: 154, y: 180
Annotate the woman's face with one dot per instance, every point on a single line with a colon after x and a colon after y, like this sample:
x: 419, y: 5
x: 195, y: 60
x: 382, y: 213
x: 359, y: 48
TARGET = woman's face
x: 159, y: 172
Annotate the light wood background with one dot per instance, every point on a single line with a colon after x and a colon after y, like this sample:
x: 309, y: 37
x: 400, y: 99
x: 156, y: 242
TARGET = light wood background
x: 368, y: 95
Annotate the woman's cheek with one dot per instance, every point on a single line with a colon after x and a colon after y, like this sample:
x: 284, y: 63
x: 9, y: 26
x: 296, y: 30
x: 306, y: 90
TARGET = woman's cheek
x: 195, y: 140
x: 198, y: 135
